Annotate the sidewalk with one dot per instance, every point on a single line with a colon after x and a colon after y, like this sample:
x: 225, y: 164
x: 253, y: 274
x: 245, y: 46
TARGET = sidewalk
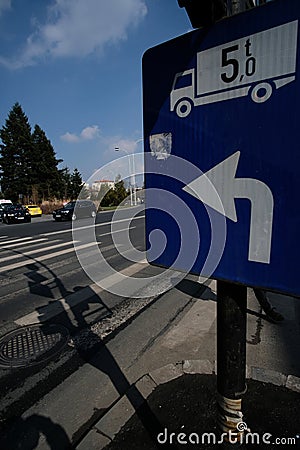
x: 167, y: 356
x: 181, y: 398
x: 182, y: 412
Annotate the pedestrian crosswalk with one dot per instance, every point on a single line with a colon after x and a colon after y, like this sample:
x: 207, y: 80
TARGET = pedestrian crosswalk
x: 45, y: 257
x: 22, y: 250
x: 19, y: 243
x: 43, y: 275
x: 40, y: 275
x: 42, y: 248
x: 13, y: 240
x: 31, y: 252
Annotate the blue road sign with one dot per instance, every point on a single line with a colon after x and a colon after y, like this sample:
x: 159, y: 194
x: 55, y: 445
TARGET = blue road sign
x: 222, y: 137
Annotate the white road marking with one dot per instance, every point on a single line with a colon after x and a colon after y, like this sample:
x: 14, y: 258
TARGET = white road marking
x: 66, y: 304
x: 92, y: 226
x: 116, y: 231
x: 17, y: 240
x: 22, y: 243
x: 51, y: 255
x: 44, y: 257
x: 39, y: 250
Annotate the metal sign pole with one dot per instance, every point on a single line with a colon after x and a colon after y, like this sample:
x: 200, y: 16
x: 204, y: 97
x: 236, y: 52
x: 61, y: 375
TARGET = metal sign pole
x: 231, y: 340
x: 231, y: 356
x: 231, y: 312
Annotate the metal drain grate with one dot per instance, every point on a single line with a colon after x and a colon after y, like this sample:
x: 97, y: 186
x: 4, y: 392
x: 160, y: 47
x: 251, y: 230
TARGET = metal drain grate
x: 32, y: 345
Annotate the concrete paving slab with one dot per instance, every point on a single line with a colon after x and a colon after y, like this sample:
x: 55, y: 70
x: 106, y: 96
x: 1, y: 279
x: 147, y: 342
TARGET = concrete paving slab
x: 293, y: 383
x: 113, y: 421
x: 93, y: 441
x: 268, y: 376
x: 198, y: 366
x: 145, y: 385
x: 166, y: 373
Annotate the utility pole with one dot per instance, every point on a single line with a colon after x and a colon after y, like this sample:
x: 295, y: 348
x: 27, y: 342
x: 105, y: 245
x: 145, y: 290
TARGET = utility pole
x: 231, y: 332
x: 231, y: 298
x: 231, y: 355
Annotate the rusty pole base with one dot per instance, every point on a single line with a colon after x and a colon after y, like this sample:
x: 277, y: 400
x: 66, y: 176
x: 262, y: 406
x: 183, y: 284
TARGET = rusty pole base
x: 230, y: 419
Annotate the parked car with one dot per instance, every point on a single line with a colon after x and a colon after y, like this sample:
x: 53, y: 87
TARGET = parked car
x: 3, y: 203
x: 34, y: 210
x: 75, y: 210
x: 15, y: 214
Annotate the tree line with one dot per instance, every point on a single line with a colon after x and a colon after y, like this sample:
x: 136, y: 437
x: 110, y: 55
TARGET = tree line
x: 29, y: 169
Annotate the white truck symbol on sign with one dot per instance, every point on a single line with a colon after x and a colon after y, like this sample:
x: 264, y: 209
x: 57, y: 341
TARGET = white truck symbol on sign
x: 252, y: 65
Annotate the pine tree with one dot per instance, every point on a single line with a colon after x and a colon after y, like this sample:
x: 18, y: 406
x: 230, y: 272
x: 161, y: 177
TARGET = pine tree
x: 105, y: 195
x: 44, y: 172
x: 104, y: 189
x: 71, y: 184
x: 84, y: 193
x: 28, y: 164
x: 76, y: 184
x: 115, y: 196
x: 16, y: 148
x: 64, y: 185
x: 120, y: 190
x: 109, y: 199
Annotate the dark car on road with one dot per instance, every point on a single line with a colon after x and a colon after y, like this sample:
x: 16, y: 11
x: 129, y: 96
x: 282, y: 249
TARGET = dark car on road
x: 75, y: 210
x: 15, y: 214
x: 2, y: 207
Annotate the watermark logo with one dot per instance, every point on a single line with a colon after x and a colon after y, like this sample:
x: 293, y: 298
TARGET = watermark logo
x: 232, y: 437
x: 242, y: 426
x: 100, y: 269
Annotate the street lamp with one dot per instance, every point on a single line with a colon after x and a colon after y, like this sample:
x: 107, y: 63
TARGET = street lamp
x: 131, y: 165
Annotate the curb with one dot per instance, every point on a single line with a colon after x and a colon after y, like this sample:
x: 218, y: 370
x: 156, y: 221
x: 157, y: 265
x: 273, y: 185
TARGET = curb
x: 104, y: 431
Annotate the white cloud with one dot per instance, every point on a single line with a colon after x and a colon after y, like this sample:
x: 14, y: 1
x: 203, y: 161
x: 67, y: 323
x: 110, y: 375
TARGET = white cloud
x: 87, y: 134
x: 77, y: 28
x: 127, y: 145
x: 4, y: 5
x: 70, y: 137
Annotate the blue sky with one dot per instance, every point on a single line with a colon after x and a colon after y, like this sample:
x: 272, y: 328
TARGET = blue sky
x: 75, y: 68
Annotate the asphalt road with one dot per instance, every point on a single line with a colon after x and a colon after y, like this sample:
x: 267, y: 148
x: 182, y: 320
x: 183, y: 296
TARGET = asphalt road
x: 39, y: 267
x: 44, y: 284
x: 41, y: 281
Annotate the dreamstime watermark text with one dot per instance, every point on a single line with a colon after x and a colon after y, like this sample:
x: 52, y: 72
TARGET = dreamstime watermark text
x: 233, y: 437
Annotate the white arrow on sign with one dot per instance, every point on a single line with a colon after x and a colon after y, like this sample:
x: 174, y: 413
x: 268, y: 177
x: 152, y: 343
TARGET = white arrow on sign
x: 218, y: 188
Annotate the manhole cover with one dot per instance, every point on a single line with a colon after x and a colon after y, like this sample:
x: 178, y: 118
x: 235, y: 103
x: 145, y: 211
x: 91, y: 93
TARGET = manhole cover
x: 32, y: 345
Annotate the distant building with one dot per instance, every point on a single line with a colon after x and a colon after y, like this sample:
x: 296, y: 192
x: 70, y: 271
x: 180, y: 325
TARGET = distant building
x: 96, y: 186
